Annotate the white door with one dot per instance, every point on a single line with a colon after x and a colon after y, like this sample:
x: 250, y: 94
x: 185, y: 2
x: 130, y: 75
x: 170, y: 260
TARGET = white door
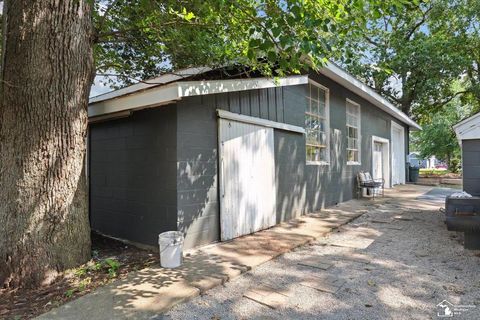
x: 398, y: 154
x: 247, y: 178
x: 378, y: 170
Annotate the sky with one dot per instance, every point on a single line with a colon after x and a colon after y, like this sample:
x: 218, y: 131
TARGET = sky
x: 98, y: 87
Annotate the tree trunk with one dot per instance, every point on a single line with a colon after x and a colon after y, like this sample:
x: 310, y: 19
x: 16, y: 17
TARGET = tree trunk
x: 448, y: 160
x: 47, y: 72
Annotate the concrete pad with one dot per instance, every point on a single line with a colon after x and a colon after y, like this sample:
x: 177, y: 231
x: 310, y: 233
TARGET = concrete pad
x: 132, y: 298
x: 208, y: 282
x: 358, y: 243
x: 324, y: 285
x: 381, y: 220
x: 253, y: 250
x: 394, y: 227
x: 317, y: 262
x: 356, y: 257
x: 154, y: 290
x: 403, y: 217
x: 267, y: 296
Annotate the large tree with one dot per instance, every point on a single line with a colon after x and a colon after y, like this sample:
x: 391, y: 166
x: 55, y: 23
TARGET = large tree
x: 438, y: 137
x: 53, y: 49
x: 415, y: 54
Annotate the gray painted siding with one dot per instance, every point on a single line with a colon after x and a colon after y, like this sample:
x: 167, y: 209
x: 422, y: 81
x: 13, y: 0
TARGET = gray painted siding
x: 163, y: 173
x: 471, y: 166
x: 197, y: 192
x: 197, y: 165
x: 301, y: 188
x: 132, y: 175
x: 290, y: 175
x: 334, y: 183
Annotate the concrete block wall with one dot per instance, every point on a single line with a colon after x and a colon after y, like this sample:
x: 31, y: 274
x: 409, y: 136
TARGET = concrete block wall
x: 157, y: 170
x: 132, y: 178
x: 328, y: 185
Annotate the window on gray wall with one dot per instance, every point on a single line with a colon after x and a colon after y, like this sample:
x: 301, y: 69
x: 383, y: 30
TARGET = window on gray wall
x: 317, y: 126
x: 353, y: 133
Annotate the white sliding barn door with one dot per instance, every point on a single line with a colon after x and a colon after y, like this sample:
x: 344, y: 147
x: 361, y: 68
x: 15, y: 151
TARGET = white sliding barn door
x: 398, y: 154
x: 247, y: 178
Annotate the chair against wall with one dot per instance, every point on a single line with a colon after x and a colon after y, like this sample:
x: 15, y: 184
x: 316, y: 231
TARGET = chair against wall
x: 365, y: 181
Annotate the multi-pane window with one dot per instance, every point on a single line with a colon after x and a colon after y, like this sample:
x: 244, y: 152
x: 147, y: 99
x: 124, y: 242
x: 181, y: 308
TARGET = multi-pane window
x: 316, y: 124
x: 353, y: 132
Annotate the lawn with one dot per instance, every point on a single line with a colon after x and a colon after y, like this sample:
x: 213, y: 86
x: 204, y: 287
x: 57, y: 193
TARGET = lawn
x: 436, y: 172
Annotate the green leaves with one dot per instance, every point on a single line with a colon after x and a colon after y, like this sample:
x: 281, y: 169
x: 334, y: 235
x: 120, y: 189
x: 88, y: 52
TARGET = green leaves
x: 138, y: 39
x: 412, y: 52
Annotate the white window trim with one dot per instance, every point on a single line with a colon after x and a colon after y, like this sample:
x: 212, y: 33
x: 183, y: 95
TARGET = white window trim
x: 327, y: 120
x: 356, y: 163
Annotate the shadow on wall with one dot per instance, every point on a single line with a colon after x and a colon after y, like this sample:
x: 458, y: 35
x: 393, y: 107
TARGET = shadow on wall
x: 300, y: 188
x: 308, y: 188
x: 197, y: 197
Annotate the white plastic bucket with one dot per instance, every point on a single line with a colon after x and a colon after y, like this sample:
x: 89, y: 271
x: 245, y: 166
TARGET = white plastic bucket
x: 171, y: 247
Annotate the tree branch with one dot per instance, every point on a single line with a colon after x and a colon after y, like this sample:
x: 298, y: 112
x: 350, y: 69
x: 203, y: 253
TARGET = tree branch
x: 418, y: 24
x: 101, y: 23
x: 104, y: 37
x: 444, y: 102
x: 372, y: 42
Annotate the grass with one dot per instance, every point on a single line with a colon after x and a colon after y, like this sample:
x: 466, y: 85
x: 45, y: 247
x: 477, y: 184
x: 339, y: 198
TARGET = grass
x: 434, y: 172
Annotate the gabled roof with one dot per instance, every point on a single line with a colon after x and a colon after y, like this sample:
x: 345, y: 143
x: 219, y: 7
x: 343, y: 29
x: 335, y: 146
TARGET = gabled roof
x: 171, y: 87
x: 155, y: 82
x: 345, y: 79
x: 157, y: 95
x: 468, y: 128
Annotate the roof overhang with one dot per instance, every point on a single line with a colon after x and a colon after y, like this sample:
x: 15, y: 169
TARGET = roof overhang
x: 155, y: 82
x: 164, y: 94
x: 468, y: 129
x: 356, y: 86
x: 170, y: 87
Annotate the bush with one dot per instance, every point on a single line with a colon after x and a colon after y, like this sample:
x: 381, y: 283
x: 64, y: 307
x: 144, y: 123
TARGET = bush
x: 454, y: 165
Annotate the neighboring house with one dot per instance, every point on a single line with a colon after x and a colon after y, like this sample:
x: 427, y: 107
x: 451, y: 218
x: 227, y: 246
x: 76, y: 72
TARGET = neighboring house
x: 428, y: 163
x: 217, y: 159
x: 468, y: 135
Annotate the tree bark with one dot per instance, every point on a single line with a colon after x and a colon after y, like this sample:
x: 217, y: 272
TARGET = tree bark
x: 47, y: 73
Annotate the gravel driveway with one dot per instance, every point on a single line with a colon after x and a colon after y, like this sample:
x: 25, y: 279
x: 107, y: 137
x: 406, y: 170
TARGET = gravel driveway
x: 388, y: 268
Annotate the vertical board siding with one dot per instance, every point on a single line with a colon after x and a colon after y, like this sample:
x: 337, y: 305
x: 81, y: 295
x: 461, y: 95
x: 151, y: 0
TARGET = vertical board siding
x: 263, y: 104
x: 245, y: 106
x: 272, y: 104
x: 234, y: 102
x: 471, y: 166
x: 280, y: 106
x: 255, y: 103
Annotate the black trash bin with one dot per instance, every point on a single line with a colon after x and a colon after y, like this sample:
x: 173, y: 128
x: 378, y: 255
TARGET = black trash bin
x: 414, y: 172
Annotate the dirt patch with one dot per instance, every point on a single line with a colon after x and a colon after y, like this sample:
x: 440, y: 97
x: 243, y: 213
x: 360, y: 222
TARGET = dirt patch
x: 111, y: 260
